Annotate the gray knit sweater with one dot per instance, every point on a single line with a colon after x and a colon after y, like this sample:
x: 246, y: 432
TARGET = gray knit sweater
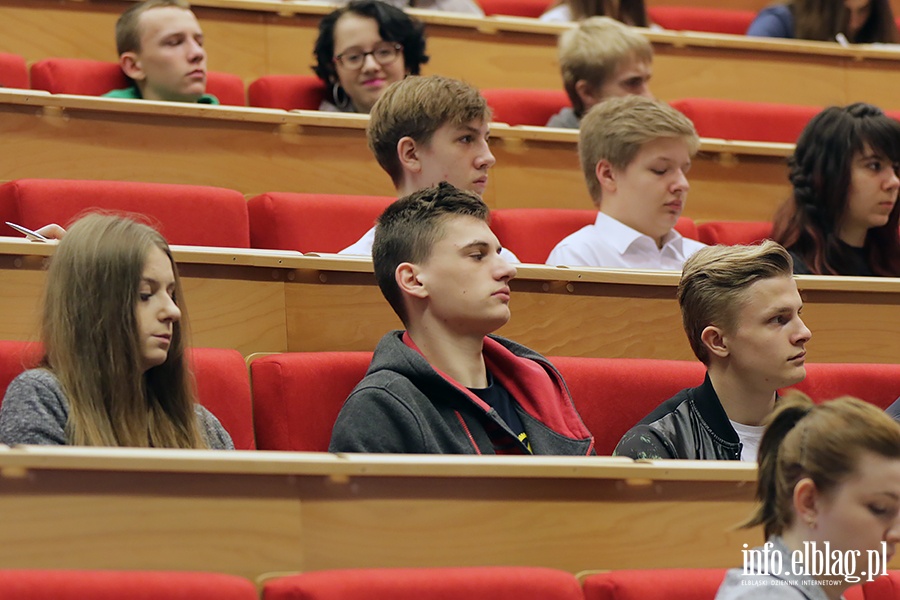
x: 35, y: 411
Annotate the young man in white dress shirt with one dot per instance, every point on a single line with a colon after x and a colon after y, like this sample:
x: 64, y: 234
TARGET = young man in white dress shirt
x: 635, y: 153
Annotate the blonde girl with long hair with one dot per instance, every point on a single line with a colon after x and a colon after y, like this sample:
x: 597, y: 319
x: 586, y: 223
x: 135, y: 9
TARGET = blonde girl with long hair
x: 113, y: 328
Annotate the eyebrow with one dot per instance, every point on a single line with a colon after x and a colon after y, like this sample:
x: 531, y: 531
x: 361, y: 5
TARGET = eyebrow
x: 152, y: 281
x: 475, y: 244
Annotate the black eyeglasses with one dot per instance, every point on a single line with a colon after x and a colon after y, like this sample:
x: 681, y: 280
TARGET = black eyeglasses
x: 384, y: 54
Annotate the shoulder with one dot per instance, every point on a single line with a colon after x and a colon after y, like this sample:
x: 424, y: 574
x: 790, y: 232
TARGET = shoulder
x: 649, y: 439
x: 456, y: 6
x: 800, y: 266
x: 579, y: 249
x: 216, y: 435
x: 362, y: 246
x: 129, y: 93
x: 34, y: 411
x: 738, y: 586
x: 773, y: 21
x: 208, y: 99
x: 690, y: 246
x: 564, y: 119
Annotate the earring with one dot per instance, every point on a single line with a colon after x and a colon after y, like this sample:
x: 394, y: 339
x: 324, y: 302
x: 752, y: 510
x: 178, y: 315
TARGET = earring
x: 340, y: 97
x: 811, y: 521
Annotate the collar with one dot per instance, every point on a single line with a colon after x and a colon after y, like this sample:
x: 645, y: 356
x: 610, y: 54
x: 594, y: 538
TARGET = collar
x: 621, y: 237
x: 708, y: 406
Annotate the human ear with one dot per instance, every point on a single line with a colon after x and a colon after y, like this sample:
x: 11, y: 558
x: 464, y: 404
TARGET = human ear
x: 714, y: 339
x: 407, y: 277
x: 586, y: 94
x: 806, y: 502
x: 408, y: 153
x: 606, y: 175
x: 131, y: 65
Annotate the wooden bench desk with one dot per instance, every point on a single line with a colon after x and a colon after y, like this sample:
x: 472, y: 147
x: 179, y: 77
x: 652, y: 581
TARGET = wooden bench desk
x: 265, y: 301
x: 260, y: 150
x: 253, y: 512
x: 252, y: 38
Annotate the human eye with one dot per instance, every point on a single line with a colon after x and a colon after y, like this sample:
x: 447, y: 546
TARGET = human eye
x: 659, y: 170
x: 467, y: 139
x: 145, y: 296
x: 384, y: 52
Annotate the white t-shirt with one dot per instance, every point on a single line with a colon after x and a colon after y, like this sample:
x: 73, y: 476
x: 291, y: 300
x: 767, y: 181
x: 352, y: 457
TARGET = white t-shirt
x: 750, y: 435
x: 611, y: 243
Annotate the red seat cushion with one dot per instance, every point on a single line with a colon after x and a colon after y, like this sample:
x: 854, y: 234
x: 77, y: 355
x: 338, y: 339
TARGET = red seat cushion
x: 312, y: 222
x: 13, y: 71
x: 297, y: 396
x: 469, y: 583
x: 519, y: 106
x: 515, y: 8
x: 184, y: 214
x: 41, y: 584
x: 656, y: 584
x: 95, y: 78
x: 730, y: 233
x: 287, y: 92
x: 691, y: 18
x: 746, y: 121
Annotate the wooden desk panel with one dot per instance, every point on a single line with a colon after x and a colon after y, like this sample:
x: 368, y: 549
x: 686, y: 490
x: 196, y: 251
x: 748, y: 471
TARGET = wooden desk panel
x: 252, y: 39
x: 253, y: 512
x: 256, y: 151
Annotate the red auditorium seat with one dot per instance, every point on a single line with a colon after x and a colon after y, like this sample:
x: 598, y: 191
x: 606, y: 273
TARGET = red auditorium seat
x: 515, y: 8
x: 656, y: 584
x: 521, y: 106
x: 287, y: 92
x: 471, y: 583
x: 185, y: 214
x: 711, y: 20
x: 613, y: 394
x: 42, y: 584
x: 95, y: 78
x: 312, y: 222
x: 223, y: 385
x: 297, y: 396
x: 875, y: 383
x: 531, y: 233
x: 886, y: 587
x: 746, y: 121
x: 13, y: 71
x: 730, y: 233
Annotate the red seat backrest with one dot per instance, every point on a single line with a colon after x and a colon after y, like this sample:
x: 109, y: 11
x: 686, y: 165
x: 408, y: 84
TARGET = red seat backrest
x: 515, y: 8
x: 691, y: 18
x: 878, y: 384
x: 532, y: 233
x: 44, y: 584
x: 297, y: 396
x: 312, y: 222
x: 746, y: 121
x: 184, y: 214
x: 655, y: 584
x: 13, y: 71
x: 730, y: 233
x: 521, y: 106
x: 223, y: 385
x: 613, y: 394
x: 471, y: 583
x: 287, y: 92
x: 96, y: 77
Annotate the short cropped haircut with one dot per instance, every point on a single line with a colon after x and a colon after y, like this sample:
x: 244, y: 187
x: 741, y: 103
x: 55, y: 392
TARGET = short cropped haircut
x: 417, y: 107
x: 595, y: 50
x: 128, y: 38
x: 409, y: 228
x: 617, y: 128
x: 713, y: 283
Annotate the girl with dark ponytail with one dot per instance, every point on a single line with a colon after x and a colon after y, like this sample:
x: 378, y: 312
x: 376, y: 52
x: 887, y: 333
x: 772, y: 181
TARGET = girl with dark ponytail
x: 828, y: 473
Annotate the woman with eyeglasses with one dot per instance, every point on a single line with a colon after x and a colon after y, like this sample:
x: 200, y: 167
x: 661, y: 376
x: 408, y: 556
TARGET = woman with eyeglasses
x: 364, y: 47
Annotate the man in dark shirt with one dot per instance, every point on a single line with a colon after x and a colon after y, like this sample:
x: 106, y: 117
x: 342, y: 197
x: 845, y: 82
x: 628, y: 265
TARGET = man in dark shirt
x: 741, y: 313
x: 444, y: 385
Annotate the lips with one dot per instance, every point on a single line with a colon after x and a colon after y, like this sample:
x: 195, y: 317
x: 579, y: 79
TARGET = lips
x: 799, y: 356
x: 502, y: 293
x: 373, y: 83
x: 675, y: 205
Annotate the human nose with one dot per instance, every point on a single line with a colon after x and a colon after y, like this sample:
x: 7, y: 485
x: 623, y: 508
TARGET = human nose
x: 893, y: 181
x: 681, y: 183
x: 170, y: 311
x: 196, y: 51
x: 803, y: 334
x: 485, y: 158
x: 369, y: 62
x: 505, y: 269
x: 644, y: 91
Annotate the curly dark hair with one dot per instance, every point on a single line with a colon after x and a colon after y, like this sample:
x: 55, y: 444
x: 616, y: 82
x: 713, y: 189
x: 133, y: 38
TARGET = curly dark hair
x: 394, y: 25
x: 820, y: 172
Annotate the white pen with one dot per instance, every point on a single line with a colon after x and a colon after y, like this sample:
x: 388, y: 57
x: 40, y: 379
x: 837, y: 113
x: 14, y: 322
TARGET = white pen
x: 28, y: 232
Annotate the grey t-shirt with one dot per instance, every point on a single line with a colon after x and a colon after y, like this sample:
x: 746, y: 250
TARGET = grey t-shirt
x: 35, y: 411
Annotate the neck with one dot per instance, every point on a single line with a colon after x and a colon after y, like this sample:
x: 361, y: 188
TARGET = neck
x: 458, y: 355
x: 408, y: 186
x: 852, y: 235
x: 744, y: 402
x: 794, y: 538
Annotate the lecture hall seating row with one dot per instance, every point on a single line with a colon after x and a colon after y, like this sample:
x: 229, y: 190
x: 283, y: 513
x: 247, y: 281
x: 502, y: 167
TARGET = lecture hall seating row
x: 287, y: 221
x: 470, y: 583
x: 296, y: 396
